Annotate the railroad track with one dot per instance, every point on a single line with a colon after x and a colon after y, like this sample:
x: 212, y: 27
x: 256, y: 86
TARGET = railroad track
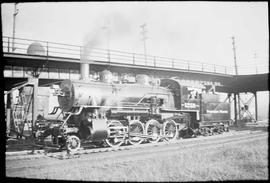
x: 33, y: 165
x: 19, y: 165
x: 201, y: 141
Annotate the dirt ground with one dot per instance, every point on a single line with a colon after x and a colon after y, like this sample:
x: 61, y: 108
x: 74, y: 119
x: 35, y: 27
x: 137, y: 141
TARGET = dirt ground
x: 141, y: 164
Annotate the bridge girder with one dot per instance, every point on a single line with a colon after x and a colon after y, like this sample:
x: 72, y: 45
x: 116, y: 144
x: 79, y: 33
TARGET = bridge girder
x: 228, y: 83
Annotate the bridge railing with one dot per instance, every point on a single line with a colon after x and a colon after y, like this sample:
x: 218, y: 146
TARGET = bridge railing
x: 52, y: 49
x: 253, y: 69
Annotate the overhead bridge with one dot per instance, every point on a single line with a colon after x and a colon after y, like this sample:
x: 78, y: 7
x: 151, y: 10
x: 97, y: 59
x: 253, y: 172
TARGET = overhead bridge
x: 56, y: 61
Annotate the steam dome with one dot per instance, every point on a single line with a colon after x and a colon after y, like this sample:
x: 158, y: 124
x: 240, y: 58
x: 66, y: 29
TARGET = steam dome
x: 106, y: 76
x: 36, y: 49
x: 142, y: 79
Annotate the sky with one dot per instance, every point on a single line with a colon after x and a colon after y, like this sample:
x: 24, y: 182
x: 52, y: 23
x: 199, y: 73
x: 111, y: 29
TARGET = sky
x: 196, y: 31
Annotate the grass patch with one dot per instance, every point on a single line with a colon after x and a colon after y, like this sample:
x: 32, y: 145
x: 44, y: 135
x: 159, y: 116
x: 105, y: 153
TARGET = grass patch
x: 245, y: 161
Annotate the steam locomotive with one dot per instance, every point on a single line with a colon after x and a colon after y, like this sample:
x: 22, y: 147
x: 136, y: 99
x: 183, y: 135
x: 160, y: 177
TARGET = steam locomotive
x: 103, y: 112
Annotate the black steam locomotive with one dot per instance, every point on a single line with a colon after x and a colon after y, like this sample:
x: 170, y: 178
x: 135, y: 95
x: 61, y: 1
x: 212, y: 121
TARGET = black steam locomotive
x: 119, y: 113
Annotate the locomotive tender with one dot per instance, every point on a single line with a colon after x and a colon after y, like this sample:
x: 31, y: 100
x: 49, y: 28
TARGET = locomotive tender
x: 115, y: 113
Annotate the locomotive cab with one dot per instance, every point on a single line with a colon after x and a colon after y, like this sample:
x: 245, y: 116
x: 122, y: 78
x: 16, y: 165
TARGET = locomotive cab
x: 187, y: 98
x: 206, y: 110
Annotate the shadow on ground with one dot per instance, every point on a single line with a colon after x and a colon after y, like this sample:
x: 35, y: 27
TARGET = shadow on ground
x: 259, y: 126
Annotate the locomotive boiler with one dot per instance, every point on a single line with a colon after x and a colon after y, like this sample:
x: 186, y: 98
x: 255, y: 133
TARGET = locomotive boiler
x: 85, y: 93
x: 115, y: 113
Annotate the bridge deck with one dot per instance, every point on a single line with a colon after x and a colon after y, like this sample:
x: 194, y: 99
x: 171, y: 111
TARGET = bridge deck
x: 62, y: 61
x: 247, y: 83
x: 75, y: 53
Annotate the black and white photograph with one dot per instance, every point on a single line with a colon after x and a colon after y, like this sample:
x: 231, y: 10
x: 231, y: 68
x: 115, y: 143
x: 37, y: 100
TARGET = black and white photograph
x: 135, y: 91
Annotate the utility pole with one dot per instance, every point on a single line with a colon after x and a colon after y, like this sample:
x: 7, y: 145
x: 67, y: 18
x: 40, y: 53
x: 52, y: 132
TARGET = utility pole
x: 106, y: 27
x: 236, y: 73
x: 255, y: 59
x: 144, y: 37
x: 16, y: 11
x: 234, y: 56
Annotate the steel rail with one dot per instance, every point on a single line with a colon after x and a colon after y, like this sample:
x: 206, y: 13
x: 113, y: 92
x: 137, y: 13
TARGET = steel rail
x: 176, y: 144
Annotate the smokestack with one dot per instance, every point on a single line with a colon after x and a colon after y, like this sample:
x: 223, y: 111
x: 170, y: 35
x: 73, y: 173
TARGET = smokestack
x: 84, y: 69
x: 90, y: 40
x: 84, y: 66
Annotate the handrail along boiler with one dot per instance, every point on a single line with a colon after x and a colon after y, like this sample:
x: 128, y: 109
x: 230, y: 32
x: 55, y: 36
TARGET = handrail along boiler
x: 118, y: 113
